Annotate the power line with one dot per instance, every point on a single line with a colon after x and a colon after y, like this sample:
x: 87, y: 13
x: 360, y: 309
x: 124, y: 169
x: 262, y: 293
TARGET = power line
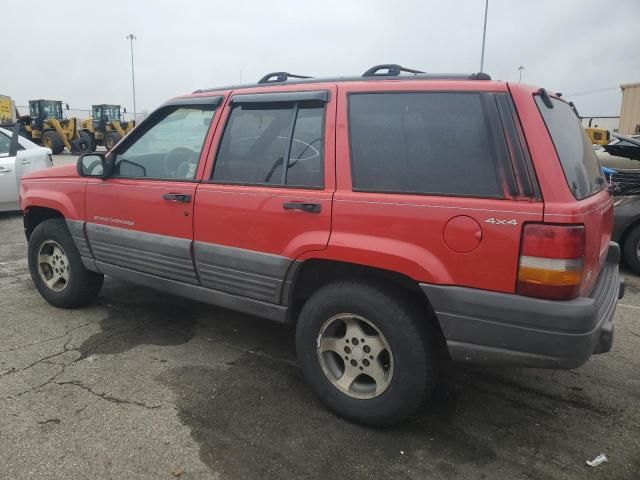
x: 591, y: 91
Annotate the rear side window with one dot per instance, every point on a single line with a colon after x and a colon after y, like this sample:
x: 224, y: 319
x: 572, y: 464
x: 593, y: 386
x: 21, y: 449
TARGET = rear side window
x: 258, y: 137
x: 579, y: 162
x: 424, y: 143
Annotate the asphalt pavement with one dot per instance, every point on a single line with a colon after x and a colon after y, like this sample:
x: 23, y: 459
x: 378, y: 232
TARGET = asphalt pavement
x: 144, y: 385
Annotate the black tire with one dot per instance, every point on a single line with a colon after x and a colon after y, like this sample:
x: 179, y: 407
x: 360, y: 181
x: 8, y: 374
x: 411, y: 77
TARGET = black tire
x: 52, y: 140
x: 83, y: 285
x: 110, y: 140
x: 631, y: 249
x: 81, y: 145
x: 408, y: 332
x: 90, y: 141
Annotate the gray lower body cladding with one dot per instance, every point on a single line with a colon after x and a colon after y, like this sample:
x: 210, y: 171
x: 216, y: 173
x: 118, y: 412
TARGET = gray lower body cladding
x: 76, y: 228
x: 239, y: 271
x: 244, y: 280
x: 160, y: 255
x: 506, y: 329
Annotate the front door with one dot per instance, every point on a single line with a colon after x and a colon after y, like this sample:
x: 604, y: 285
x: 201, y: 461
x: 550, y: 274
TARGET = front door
x: 268, y: 195
x: 141, y: 217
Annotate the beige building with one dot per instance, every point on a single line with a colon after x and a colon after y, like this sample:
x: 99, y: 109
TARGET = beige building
x: 630, y: 110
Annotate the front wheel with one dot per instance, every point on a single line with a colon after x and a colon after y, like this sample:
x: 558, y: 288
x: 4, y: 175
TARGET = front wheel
x: 56, y: 267
x: 368, y: 353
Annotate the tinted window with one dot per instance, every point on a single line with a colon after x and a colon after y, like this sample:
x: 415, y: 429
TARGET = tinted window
x: 169, y: 147
x: 5, y: 143
x: 579, y: 162
x: 256, y: 141
x: 427, y: 143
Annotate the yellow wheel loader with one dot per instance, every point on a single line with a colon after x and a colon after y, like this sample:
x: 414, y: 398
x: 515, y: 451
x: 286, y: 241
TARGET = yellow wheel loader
x: 105, y: 126
x: 46, y: 125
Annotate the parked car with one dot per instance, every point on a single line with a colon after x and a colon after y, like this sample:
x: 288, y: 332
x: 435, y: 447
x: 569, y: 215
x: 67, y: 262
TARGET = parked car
x: 15, y: 161
x: 391, y: 217
x: 614, y: 154
x: 626, y: 229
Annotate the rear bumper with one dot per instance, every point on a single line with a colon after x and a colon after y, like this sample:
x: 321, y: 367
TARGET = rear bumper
x: 507, y: 329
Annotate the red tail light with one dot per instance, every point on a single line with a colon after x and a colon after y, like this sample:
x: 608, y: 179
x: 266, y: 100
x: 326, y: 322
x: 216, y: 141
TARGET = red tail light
x: 551, y: 261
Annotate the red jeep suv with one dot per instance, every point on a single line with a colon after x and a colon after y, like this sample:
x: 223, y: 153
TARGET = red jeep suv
x: 393, y: 217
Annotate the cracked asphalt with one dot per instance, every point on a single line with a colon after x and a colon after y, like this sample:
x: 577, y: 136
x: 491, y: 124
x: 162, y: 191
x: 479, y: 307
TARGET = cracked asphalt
x: 144, y: 385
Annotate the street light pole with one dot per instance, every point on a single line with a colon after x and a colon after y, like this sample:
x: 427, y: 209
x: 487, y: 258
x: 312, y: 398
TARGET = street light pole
x: 131, y: 37
x: 484, y: 34
x: 520, y: 69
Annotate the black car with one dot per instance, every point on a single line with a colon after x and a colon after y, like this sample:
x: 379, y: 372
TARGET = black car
x: 626, y: 187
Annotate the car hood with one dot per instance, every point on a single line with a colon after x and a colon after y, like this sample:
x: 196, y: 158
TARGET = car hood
x: 625, y: 151
x: 53, y: 172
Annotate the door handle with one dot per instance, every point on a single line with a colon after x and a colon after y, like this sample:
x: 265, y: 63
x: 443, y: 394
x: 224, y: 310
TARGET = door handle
x: 177, y: 197
x: 25, y: 162
x: 5, y: 170
x: 305, y: 207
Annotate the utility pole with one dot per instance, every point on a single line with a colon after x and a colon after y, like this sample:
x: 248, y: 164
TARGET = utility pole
x: 520, y: 69
x: 484, y: 34
x: 131, y: 37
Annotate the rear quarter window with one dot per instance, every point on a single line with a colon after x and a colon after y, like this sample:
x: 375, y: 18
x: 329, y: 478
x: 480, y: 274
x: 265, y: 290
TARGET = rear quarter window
x: 435, y: 143
x: 579, y: 162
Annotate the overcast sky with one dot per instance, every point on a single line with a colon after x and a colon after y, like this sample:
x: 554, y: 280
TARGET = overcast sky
x: 77, y: 51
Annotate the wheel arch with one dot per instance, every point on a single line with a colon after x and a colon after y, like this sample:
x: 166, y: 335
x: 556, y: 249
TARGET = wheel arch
x: 308, y: 276
x: 33, y: 216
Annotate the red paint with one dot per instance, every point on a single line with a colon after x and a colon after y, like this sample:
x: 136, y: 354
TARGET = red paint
x: 436, y: 239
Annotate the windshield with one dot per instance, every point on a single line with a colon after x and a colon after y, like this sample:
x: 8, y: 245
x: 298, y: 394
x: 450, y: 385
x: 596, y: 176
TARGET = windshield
x: 47, y: 109
x: 579, y: 162
x: 112, y: 112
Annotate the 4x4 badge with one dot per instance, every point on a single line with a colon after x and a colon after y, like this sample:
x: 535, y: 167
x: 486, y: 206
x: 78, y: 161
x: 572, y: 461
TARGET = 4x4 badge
x: 497, y: 221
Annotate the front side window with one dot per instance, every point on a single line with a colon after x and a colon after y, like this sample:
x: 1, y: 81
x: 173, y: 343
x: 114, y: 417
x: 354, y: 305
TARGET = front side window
x: 258, y: 137
x: 422, y: 143
x: 169, y: 147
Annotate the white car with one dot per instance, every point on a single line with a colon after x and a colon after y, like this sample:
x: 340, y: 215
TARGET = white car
x: 13, y: 165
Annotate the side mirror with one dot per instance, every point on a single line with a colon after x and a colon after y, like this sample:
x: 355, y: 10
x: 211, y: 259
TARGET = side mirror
x: 93, y: 165
x: 124, y: 110
x: 67, y: 105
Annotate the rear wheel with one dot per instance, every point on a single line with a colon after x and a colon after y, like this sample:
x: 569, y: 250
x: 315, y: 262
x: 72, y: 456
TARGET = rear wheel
x: 110, y: 140
x: 52, y: 140
x: 56, y: 267
x: 631, y: 249
x: 367, y: 352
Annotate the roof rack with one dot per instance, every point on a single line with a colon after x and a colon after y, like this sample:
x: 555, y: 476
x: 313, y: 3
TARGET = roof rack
x: 393, y: 70
x: 373, y: 74
x: 279, y: 77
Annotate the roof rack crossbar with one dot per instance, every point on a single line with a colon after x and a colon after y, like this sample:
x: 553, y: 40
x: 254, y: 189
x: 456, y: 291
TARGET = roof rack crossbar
x: 393, y: 70
x: 279, y: 77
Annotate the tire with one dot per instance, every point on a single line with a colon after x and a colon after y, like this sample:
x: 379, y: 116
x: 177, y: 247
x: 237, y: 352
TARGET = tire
x: 110, y: 140
x: 80, y: 287
x: 631, y: 249
x: 81, y: 145
x: 412, y: 369
x: 90, y: 141
x: 52, y: 140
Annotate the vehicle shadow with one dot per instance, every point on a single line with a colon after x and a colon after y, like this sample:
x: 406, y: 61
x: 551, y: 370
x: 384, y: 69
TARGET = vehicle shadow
x: 253, y: 416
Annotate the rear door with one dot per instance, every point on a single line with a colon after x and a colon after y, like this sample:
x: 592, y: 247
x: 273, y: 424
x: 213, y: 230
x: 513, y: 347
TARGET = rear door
x: 267, y: 197
x: 432, y: 182
x: 141, y: 218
